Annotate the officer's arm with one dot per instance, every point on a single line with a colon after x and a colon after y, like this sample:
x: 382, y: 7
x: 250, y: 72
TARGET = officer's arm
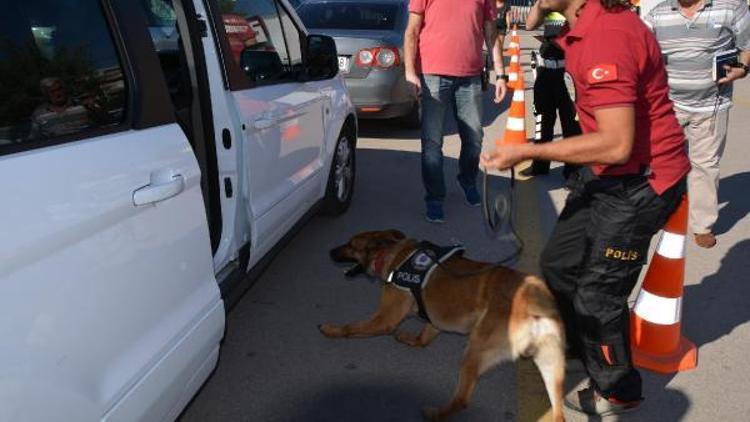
x: 611, y: 144
x: 536, y: 16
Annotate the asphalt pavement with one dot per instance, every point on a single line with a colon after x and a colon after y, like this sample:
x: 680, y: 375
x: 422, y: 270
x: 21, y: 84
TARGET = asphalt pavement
x: 276, y: 366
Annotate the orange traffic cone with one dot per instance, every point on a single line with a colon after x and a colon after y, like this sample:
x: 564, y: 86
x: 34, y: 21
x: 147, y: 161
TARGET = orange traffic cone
x: 515, y: 41
x: 655, y: 328
x: 514, y: 70
x: 515, y: 127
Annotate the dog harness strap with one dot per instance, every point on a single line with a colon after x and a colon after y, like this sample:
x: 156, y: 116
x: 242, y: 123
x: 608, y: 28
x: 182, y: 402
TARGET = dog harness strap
x: 421, y: 310
x: 414, y: 272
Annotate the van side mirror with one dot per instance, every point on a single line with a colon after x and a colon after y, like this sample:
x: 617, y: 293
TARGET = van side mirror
x: 260, y: 65
x: 321, y: 58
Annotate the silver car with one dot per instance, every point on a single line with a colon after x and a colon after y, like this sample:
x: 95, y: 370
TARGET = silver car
x: 369, y: 38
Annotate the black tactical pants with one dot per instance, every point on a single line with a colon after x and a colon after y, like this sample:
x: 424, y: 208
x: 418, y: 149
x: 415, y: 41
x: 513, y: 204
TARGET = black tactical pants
x: 592, y: 262
x: 550, y: 97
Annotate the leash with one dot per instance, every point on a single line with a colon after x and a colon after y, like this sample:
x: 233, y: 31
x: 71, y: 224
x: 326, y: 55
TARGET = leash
x: 497, y: 215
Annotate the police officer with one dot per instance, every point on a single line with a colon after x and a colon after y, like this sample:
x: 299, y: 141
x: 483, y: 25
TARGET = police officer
x: 550, y: 92
x: 633, y: 178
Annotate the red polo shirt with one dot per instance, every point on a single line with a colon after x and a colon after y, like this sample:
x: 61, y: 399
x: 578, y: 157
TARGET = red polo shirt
x: 615, y: 61
x: 452, y: 35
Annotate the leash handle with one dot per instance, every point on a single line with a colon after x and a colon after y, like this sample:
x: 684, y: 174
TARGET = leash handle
x: 498, y: 213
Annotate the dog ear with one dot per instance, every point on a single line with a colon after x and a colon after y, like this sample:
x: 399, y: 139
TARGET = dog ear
x: 396, y: 235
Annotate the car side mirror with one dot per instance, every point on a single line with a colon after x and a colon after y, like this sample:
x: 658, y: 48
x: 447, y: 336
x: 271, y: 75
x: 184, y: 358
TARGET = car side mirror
x: 261, y: 65
x: 321, y: 58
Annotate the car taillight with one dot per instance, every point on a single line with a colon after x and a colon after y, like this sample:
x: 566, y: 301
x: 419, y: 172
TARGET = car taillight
x: 383, y: 57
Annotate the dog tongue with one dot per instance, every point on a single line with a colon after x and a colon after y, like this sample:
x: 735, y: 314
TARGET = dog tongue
x: 354, y: 270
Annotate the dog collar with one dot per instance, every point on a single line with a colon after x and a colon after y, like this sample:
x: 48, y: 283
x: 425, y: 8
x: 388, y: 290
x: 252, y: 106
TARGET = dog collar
x: 378, y: 264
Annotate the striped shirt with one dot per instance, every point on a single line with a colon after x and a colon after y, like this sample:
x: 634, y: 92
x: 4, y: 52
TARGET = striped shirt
x: 689, y: 46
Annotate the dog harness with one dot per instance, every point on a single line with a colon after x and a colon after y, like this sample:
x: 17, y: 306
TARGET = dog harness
x: 414, y: 271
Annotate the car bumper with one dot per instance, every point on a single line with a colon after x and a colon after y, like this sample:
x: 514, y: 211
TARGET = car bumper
x: 382, y: 94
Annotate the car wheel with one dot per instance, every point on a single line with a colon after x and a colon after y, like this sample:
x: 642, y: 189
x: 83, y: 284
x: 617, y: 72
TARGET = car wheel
x: 413, y: 120
x: 341, y: 178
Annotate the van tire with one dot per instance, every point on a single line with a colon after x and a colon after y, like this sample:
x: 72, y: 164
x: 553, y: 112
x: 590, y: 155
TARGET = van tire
x: 340, y: 186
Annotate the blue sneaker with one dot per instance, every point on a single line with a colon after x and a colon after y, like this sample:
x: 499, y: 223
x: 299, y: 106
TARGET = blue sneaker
x: 471, y: 194
x: 434, y: 212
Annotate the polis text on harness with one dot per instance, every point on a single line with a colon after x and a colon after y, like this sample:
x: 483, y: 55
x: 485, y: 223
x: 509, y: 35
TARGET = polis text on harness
x: 414, y: 272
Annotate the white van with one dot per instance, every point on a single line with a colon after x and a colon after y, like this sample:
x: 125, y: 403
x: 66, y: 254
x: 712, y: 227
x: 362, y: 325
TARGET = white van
x: 152, y: 154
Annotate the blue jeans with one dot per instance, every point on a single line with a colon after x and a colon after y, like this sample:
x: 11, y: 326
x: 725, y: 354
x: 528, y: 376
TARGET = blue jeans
x: 465, y: 94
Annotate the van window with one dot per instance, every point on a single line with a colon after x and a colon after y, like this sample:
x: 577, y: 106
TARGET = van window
x: 257, y: 41
x: 60, y: 75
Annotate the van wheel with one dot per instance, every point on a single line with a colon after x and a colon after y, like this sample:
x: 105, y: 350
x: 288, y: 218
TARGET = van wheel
x: 341, y: 179
x: 413, y: 120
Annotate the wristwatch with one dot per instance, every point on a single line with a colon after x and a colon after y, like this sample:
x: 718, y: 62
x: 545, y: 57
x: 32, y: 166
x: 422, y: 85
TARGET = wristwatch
x: 505, y: 77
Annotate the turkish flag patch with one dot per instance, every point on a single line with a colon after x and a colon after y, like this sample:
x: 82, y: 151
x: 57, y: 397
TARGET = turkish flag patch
x: 602, y: 73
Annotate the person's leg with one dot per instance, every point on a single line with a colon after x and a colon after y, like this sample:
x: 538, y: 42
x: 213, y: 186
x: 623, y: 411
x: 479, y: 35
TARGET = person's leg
x: 544, y: 104
x: 707, y: 134
x: 434, y: 98
x: 468, y: 109
x: 563, y: 256
x: 625, y: 214
x: 501, y: 40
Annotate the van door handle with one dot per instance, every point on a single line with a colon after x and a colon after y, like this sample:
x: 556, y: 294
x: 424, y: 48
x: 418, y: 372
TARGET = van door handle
x: 264, y: 123
x: 160, y: 189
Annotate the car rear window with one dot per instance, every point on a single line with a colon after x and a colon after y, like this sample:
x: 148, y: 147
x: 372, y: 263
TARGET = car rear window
x: 365, y: 16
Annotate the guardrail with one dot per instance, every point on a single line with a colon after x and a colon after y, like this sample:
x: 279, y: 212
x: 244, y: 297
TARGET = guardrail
x: 519, y: 10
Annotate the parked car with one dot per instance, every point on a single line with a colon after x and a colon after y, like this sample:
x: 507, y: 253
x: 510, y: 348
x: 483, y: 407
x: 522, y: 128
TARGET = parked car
x: 147, y: 167
x: 369, y: 38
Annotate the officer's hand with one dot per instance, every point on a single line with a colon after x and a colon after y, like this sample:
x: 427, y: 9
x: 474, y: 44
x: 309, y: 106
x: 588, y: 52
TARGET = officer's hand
x: 504, y: 157
x: 733, y: 73
x: 501, y: 90
x: 413, y: 79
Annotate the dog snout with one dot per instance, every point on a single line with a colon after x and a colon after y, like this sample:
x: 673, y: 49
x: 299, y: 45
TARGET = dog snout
x: 341, y: 254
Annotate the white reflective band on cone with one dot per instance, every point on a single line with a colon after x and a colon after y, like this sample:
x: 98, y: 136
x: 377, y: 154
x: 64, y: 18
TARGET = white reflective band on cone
x: 515, y: 123
x: 513, y: 76
x: 657, y: 309
x: 518, y: 95
x: 514, y: 59
x: 671, y: 245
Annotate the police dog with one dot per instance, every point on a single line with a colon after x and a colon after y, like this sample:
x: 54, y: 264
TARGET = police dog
x: 507, y: 314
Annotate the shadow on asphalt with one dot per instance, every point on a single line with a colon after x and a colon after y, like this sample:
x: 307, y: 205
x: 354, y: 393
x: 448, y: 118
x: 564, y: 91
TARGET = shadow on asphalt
x: 733, y: 193
x: 719, y: 304
x: 379, y: 401
x: 715, y: 307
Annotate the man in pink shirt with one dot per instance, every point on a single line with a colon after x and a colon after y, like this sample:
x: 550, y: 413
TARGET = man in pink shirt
x: 444, y: 61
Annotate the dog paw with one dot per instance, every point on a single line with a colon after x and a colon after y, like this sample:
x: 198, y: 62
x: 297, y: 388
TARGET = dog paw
x: 431, y: 413
x: 329, y: 330
x: 407, y: 339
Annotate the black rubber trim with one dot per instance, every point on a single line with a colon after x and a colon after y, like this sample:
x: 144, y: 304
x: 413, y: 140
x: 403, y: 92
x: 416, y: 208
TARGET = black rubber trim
x: 197, y: 30
x: 150, y: 104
